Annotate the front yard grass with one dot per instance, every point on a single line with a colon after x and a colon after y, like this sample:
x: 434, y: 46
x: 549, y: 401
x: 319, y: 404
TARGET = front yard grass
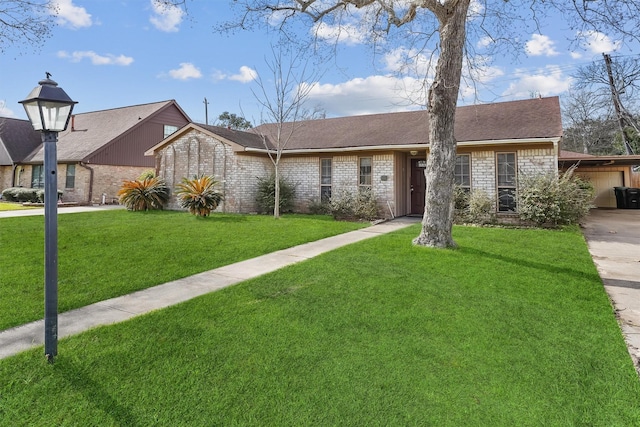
x: 107, y: 254
x: 513, y: 328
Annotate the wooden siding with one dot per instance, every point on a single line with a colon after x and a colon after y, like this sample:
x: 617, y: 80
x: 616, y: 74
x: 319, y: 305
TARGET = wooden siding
x: 128, y: 149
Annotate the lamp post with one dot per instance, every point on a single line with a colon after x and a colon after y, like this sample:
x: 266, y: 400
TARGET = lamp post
x: 49, y: 109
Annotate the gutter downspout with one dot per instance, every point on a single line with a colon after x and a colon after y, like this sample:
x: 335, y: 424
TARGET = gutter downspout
x: 90, y: 169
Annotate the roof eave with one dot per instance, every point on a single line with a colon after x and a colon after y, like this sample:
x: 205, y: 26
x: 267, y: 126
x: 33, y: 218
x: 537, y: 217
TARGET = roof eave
x: 406, y: 147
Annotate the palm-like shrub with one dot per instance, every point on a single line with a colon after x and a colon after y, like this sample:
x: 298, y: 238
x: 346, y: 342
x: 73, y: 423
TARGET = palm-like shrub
x: 143, y: 195
x: 199, y: 195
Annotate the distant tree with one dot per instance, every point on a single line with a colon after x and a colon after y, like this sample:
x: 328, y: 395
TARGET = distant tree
x: 233, y: 121
x: 27, y: 22
x: 590, y: 126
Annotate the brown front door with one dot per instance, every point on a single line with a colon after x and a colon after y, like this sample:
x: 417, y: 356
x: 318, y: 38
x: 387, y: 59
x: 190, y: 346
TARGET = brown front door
x: 418, y: 186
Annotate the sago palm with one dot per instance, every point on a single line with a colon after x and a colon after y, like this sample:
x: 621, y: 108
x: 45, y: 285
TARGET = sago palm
x: 199, y: 195
x: 144, y: 195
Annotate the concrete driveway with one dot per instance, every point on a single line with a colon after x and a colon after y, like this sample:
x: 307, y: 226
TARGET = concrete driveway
x: 613, y: 236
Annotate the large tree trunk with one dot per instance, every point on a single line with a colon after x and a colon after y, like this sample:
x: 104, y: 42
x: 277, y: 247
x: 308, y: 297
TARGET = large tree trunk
x: 437, y: 222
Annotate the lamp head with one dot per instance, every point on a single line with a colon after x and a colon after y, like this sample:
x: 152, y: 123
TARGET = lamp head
x: 48, y: 106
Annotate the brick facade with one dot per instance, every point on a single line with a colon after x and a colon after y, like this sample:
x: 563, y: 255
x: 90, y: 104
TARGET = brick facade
x: 237, y: 170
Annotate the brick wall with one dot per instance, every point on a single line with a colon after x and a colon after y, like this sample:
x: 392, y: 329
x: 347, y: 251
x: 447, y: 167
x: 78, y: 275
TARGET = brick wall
x: 200, y: 154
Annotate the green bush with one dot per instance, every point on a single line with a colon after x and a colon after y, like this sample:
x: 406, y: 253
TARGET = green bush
x: 473, y: 207
x: 25, y: 195
x: 347, y: 206
x: 319, y: 207
x: 550, y: 200
x: 199, y: 195
x: 144, y: 195
x: 266, y: 195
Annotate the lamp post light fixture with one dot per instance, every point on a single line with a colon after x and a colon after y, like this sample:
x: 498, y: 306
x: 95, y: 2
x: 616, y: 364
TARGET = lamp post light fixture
x: 49, y: 109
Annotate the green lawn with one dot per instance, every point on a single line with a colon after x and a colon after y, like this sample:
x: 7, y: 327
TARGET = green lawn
x: 111, y: 253
x: 512, y: 329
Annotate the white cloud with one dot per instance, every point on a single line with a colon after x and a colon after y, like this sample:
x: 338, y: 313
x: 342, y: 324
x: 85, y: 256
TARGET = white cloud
x: 348, y: 34
x: 540, y: 45
x: 596, y: 42
x: 373, y: 94
x: 245, y: 75
x: 546, y: 82
x: 484, y: 42
x: 576, y: 55
x: 186, y: 71
x: 165, y: 17
x: 70, y: 15
x: 95, y: 58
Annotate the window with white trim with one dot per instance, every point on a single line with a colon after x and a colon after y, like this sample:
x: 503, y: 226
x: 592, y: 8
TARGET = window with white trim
x: 37, y: 176
x: 168, y: 130
x: 463, y: 172
x: 365, y: 173
x: 325, y: 179
x: 70, y: 180
x: 506, y: 180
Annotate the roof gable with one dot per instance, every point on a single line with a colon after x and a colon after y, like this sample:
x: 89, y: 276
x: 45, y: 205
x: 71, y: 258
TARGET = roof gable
x: 89, y: 133
x: 17, y: 140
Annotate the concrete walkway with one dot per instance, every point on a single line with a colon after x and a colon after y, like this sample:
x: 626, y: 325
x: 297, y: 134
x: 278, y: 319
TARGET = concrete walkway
x: 21, y: 338
x: 613, y: 237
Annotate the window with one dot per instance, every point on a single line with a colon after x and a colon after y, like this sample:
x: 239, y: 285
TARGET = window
x: 463, y: 172
x: 71, y: 176
x: 506, y: 181
x: 37, y: 176
x: 325, y: 179
x: 365, y: 173
x: 168, y: 130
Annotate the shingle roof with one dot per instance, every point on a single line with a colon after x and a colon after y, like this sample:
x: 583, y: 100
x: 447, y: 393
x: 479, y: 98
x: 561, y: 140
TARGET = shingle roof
x: 245, y: 139
x: 525, y: 119
x: 89, y: 132
x: 17, y: 140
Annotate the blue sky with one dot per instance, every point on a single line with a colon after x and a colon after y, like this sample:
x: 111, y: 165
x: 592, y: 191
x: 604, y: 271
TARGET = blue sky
x: 113, y: 53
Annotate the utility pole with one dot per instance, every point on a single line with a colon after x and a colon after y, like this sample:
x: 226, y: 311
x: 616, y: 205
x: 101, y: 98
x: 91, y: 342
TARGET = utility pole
x: 621, y: 113
x: 206, y: 111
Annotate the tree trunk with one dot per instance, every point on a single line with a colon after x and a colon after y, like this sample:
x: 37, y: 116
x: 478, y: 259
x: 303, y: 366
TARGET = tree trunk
x: 437, y: 222
x: 276, y: 201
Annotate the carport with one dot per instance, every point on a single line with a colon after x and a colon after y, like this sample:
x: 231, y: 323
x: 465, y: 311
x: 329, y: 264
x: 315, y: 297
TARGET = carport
x: 605, y: 173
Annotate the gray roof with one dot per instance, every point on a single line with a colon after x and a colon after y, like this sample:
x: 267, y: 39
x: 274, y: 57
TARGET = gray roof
x: 89, y: 132
x: 243, y: 138
x: 513, y: 120
x: 17, y: 140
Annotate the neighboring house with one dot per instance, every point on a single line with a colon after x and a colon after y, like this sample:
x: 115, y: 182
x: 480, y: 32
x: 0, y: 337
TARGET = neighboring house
x: 383, y: 152
x: 101, y: 149
x: 17, y: 141
x: 604, y: 172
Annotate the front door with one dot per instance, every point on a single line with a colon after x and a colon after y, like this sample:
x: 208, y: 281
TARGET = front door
x: 418, y: 185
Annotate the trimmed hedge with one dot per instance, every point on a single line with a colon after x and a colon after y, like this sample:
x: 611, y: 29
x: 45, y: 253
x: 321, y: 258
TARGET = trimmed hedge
x: 23, y: 195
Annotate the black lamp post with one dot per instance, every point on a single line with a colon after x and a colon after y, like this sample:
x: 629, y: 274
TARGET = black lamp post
x: 49, y: 110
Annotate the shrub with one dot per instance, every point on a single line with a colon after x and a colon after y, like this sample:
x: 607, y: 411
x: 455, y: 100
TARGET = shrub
x: 347, y: 206
x: 266, y: 195
x: 149, y: 173
x: 199, y: 195
x: 24, y: 195
x: 547, y: 199
x: 319, y: 207
x: 473, y: 207
x: 144, y: 195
